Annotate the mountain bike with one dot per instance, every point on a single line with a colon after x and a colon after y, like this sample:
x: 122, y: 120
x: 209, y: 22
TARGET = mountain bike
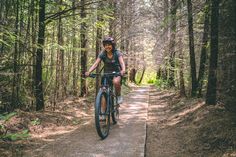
x: 106, y: 105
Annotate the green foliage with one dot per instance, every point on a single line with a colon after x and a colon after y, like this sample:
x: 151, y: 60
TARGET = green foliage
x: 16, y: 136
x: 125, y: 89
x: 36, y: 121
x: 160, y: 83
x: 151, y: 81
x: 7, y: 116
x: 8, y: 37
x: 11, y: 136
x: 148, y: 78
x: 2, y: 127
x: 100, y: 24
x: 3, y: 42
x: 75, y: 121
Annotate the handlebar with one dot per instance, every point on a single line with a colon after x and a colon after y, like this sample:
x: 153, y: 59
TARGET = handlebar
x: 93, y: 75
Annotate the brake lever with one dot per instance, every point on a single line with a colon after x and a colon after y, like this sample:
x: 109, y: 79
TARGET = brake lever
x: 92, y: 75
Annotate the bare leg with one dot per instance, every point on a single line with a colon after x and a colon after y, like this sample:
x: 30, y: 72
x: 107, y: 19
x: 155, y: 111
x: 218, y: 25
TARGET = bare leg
x: 103, y: 105
x: 117, y: 85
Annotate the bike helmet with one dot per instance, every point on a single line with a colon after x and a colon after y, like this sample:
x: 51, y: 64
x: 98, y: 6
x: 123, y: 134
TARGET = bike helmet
x: 109, y: 40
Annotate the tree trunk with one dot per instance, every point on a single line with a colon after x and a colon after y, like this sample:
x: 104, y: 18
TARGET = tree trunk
x: 123, y: 23
x: 15, y: 62
x: 212, y: 77
x: 158, y: 73
x: 181, y: 58
x: 57, y: 80
x: 171, y: 80
x: 62, y: 86
x: 165, y: 38
x: 112, y: 22
x: 132, y: 75
x: 34, y: 49
x: 204, y: 50
x: 98, y: 46
x: 74, y: 69
x: 53, y: 92
x: 39, y: 58
x: 83, y: 38
x: 141, y: 78
x: 191, y: 49
x: 226, y: 66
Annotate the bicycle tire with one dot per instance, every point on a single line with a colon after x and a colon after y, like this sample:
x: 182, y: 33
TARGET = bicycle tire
x: 102, y: 127
x: 114, y: 110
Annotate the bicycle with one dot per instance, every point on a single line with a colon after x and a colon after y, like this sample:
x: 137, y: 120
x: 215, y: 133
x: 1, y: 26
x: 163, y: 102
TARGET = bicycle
x: 106, y: 93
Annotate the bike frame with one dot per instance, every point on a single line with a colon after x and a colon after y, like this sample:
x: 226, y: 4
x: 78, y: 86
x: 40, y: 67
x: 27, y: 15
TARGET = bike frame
x: 107, y: 86
x: 107, y: 89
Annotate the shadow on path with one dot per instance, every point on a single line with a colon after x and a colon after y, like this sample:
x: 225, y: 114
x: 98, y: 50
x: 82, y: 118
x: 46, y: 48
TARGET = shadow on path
x: 126, y: 139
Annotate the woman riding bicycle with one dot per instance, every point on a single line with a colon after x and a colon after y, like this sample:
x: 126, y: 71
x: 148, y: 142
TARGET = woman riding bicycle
x: 113, y: 62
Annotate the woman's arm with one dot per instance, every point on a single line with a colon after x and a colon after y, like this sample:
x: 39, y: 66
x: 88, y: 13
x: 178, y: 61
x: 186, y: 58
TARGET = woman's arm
x: 98, y: 60
x: 122, y: 64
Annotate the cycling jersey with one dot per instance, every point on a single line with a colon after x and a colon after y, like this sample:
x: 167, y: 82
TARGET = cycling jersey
x: 111, y: 64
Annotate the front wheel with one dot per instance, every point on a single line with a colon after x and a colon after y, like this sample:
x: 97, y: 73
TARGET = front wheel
x: 102, y: 117
x: 114, y: 110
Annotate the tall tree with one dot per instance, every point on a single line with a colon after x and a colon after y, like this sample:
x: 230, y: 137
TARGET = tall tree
x: 98, y: 41
x: 202, y: 66
x: 62, y: 84
x: 15, y: 81
x: 74, y: 69
x: 32, y: 69
x: 112, y: 22
x: 123, y: 23
x: 181, y: 57
x: 39, y: 58
x: 212, y: 77
x: 191, y: 48
x: 165, y: 35
x: 226, y: 68
x: 172, y: 42
x: 83, y: 40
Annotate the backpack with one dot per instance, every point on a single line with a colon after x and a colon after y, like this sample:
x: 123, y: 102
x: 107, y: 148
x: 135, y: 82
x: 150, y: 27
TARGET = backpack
x: 117, y: 58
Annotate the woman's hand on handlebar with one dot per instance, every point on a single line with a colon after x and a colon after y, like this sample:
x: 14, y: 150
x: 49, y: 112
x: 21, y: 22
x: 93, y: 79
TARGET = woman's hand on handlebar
x: 122, y: 72
x: 87, y: 74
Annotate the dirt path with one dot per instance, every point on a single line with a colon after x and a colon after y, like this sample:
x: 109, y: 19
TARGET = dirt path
x: 152, y: 123
x: 126, y: 139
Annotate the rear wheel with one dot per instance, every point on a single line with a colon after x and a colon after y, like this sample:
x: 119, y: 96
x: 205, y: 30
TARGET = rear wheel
x: 102, y: 117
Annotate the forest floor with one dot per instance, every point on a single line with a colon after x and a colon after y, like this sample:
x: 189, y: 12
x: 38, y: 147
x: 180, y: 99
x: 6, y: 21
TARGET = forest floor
x: 182, y: 127
x: 175, y: 126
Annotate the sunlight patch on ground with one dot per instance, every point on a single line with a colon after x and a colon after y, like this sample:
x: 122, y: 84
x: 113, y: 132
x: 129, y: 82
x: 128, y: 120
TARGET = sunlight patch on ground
x: 158, y: 106
x: 138, y: 97
x: 54, y: 131
x: 176, y: 118
x: 233, y: 154
x: 81, y: 114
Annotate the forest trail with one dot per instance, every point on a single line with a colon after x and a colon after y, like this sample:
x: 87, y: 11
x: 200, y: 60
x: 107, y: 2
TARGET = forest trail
x: 126, y: 139
x: 153, y: 123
